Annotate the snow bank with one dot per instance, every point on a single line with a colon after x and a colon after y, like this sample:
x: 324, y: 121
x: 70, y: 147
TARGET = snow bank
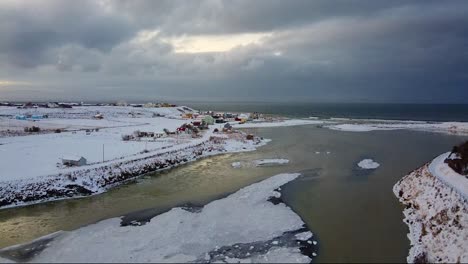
x: 368, y: 164
x: 444, y: 173
x: 437, y: 217
x: 244, y: 226
x: 441, y: 127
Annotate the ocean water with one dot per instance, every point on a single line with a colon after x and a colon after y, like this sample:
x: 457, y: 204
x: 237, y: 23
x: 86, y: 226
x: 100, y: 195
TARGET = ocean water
x: 424, y: 112
x: 352, y: 212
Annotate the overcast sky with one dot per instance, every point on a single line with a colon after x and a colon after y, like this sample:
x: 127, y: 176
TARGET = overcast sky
x: 317, y: 51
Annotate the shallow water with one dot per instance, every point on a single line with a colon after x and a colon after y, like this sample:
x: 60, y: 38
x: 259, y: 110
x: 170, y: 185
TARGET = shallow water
x: 351, y: 211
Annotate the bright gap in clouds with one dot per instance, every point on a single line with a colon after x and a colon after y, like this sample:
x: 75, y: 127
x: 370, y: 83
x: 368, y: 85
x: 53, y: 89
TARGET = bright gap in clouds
x: 4, y: 83
x: 218, y: 43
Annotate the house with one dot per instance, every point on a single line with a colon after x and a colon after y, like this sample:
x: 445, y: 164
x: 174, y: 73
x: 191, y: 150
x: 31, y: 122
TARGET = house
x: 37, y: 117
x: 227, y: 127
x: 209, y: 120
x: 244, y: 117
x: 187, y: 115
x: 159, y: 135
x: 72, y: 160
x: 149, y: 105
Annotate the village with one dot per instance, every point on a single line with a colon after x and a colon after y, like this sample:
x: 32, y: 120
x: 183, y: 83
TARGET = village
x: 81, y: 150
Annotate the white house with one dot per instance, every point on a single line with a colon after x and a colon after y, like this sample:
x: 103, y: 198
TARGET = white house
x: 72, y: 160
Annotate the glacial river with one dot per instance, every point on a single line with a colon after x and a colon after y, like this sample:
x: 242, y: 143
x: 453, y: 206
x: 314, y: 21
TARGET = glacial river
x: 352, y: 212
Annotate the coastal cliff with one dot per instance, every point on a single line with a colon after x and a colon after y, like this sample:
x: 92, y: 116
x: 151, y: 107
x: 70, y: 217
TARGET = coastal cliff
x: 437, y: 217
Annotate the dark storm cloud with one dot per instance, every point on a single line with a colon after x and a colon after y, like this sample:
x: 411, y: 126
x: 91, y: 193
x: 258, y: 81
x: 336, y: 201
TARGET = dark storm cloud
x: 314, y: 50
x: 28, y: 29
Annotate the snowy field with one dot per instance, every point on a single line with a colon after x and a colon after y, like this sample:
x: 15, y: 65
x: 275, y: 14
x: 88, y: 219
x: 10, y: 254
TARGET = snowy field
x: 247, y: 226
x: 32, y: 156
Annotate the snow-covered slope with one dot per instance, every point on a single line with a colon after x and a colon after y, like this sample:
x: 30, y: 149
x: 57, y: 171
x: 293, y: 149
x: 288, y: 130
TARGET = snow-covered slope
x: 437, y: 217
x: 247, y: 226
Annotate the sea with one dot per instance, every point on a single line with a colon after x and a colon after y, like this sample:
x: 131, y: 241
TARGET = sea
x: 416, y: 112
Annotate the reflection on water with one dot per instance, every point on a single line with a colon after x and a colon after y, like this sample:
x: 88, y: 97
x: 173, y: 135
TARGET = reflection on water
x: 352, y: 212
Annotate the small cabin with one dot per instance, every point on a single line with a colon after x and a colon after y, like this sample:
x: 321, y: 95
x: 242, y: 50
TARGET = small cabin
x: 73, y: 161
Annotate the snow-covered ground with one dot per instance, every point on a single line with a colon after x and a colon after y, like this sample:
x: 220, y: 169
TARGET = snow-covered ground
x: 247, y: 226
x: 368, y: 164
x: 31, y: 169
x: 441, y: 127
x: 437, y: 217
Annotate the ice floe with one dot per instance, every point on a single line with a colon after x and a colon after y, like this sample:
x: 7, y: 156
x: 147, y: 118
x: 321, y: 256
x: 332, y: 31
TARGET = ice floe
x: 259, y: 163
x: 243, y: 227
x: 267, y: 162
x: 368, y: 164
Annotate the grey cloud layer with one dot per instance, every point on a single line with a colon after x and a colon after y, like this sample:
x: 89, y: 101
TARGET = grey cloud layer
x: 325, y: 50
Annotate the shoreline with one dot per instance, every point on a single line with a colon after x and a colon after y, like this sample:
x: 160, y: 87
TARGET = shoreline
x: 284, y: 237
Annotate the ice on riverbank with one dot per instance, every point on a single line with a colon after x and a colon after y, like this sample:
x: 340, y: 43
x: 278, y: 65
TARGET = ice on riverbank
x: 368, y: 164
x: 244, y: 226
x: 282, y: 123
x: 437, y: 217
x: 440, y: 127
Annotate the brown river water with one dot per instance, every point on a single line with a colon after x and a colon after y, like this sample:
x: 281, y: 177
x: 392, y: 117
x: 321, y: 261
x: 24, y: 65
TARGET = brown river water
x: 352, y: 212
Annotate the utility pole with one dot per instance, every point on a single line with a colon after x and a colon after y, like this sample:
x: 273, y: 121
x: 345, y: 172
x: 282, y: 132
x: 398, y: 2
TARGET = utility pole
x: 102, y: 152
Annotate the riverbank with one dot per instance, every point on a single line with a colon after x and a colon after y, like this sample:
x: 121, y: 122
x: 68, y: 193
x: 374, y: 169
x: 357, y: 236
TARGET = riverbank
x: 436, y: 213
x: 99, y: 178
